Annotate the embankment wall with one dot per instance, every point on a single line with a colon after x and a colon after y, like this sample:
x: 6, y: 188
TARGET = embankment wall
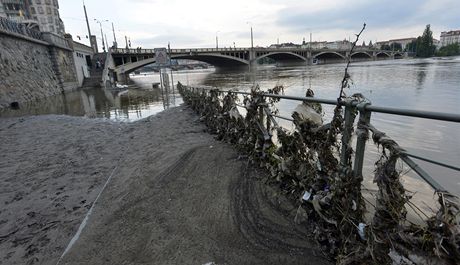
x: 31, y: 69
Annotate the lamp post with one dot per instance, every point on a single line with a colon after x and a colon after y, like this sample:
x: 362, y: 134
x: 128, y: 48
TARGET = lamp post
x: 102, y: 33
x: 217, y: 40
x: 252, y: 36
x: 115, y: 43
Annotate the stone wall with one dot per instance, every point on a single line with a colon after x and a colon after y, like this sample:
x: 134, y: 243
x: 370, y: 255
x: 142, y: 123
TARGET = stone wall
x: 28, y: 71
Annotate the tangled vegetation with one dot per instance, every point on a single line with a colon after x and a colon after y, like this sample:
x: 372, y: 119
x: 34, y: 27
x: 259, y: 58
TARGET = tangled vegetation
x: 312, y: 166
x: 306, y: 166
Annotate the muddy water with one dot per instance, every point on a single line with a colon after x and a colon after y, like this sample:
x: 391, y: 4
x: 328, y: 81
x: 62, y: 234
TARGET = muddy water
x: 422, y: 84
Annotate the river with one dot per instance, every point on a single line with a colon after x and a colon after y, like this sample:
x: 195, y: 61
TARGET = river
x: 421, y: 84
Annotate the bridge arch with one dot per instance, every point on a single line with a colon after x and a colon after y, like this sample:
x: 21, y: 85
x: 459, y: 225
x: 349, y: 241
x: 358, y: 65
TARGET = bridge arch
x: 361, y: 55
x: 383, y: 55
x: 398, y: 55
x: 217, y: 60
x: 282, y: 56
x: 329, y: 54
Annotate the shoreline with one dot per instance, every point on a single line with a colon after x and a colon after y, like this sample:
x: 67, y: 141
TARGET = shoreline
x: 162, y: 202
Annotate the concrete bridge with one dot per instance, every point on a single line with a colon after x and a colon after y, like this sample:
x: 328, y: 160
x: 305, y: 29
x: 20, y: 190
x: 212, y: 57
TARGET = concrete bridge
x: 125, y: 61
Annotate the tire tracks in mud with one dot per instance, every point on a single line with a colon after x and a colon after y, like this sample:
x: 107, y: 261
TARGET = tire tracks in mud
x: 264, y: 225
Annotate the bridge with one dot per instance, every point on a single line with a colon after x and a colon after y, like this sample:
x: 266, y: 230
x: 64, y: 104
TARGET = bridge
x: 124, y: 61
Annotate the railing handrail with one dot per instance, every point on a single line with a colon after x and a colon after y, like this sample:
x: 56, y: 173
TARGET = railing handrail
x: 442, y: 116
x: 19, y: 28
x: 449, y: 117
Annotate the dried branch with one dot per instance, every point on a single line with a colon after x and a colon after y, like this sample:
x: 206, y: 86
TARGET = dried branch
x: 346, y: 76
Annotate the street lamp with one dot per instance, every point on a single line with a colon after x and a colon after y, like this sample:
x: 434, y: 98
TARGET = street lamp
x: 102, y: 33
x: 252, y: 38
x: 217, y: 40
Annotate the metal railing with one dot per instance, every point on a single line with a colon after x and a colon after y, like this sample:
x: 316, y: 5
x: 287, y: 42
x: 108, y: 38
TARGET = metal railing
x: 365, y: 109
x: 19, y: 28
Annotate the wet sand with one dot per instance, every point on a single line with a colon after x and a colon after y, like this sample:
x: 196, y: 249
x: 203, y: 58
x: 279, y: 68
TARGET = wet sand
x: 175, y: 196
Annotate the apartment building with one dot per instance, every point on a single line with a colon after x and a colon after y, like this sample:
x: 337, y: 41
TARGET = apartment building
x: 44, y: 13
x: 450, y: 37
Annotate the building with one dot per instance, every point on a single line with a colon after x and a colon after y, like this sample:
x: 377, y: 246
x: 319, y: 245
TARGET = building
x: 404, y: 42
x: 2, y: 10
x: 449, y: 37
x: 15, y: 10
x: 83, y: 56
x: 43, y: 14
x: 46, y: 12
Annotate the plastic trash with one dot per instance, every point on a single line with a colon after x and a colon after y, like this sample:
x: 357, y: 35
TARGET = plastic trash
x: 361, y: 233
x: 306, y: 196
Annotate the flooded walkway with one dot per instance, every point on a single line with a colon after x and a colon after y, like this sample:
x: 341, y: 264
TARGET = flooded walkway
x: 170, y: 200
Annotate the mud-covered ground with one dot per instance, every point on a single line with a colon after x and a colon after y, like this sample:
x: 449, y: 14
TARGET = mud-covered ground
x: 175, y: 196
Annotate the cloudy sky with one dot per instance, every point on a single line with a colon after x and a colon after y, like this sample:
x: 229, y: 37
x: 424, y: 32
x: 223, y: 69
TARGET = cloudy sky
x: 195, y: 23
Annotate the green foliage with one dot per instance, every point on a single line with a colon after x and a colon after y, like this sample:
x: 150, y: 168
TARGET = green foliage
x: 449, y: 50
x: 386, y: 47
x: 425, y: 46
x: 412, y: 46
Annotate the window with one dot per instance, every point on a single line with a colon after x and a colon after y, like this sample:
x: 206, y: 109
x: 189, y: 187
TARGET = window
x: 48, y: 2
x: 40, y: 10
x: 32, y: 11
x: 52, y: 28
x: 48, y: 10
x: 38, y: 2
x: 50, y: 19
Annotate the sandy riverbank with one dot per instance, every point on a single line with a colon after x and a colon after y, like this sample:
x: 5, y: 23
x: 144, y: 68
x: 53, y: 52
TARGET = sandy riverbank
x: 176, y: 196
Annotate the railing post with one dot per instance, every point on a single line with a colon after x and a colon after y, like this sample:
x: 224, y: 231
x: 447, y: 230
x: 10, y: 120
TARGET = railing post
x: 347, y: 130
x: 362, y: 136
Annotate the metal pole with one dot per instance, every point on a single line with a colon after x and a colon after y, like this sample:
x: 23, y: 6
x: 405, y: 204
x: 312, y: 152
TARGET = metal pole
x: 126, y: 40
x: 106, y: 42
x: 346, y: 135
x: 363, y: 135
x: 102, y: 37
x: 252, y: 39
x: 114, y: 37
x: 170, y: 64
x: 87, y: 24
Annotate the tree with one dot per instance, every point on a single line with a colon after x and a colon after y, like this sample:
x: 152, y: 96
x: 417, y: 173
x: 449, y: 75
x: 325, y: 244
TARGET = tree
x: 412, y: 46
x: 364, y: 44
x: 370, y: 44
x: 449, y: 50
x: 386, y: 47
x: 425, y: 46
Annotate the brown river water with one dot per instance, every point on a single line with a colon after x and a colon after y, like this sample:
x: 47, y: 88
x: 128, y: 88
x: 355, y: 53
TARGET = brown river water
x: 421, y: 84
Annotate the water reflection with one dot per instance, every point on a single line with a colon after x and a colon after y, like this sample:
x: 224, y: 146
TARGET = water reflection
x: 421, y: 76
x: 121, y: 105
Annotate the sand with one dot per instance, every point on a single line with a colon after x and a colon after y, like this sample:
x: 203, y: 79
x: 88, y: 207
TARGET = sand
x: 175, y: 196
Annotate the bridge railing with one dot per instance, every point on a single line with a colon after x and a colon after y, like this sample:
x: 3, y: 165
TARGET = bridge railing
x: 389, y: 227
x: 237, y: 49
x: 19, y: 28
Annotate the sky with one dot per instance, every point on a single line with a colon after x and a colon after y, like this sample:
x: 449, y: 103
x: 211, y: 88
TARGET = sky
x: 196, y: 23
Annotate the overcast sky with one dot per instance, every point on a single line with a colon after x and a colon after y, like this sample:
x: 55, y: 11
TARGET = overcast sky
x: 195, y: 23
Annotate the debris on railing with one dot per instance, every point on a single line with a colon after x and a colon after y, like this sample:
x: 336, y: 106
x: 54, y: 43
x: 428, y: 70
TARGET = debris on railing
x: 312, y: 166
